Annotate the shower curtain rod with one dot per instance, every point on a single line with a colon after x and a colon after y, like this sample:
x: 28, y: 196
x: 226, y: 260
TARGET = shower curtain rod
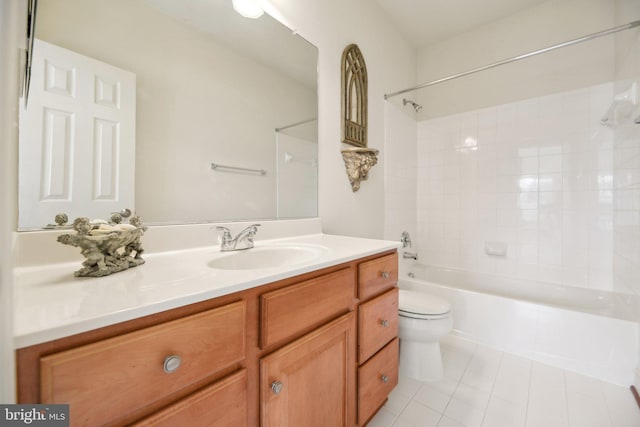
x: 519, y: 57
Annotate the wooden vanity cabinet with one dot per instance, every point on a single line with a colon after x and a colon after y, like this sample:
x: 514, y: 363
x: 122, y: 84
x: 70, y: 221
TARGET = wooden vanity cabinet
x: 300, y: 351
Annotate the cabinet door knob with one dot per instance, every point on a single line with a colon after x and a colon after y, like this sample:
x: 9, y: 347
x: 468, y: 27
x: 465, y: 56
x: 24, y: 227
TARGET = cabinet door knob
x: 384, y: 323
x: 172, y: 363
x: 276, y: 387
x: 384, y: 378
x: 385, y: 274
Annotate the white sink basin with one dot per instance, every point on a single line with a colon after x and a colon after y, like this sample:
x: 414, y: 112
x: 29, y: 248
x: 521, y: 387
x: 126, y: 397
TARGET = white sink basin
x: 267, y: 257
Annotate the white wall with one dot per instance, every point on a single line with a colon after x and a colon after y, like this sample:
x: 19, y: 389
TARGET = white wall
x: 549, y: 23
x: 11, y: 29
x: 332, y: 25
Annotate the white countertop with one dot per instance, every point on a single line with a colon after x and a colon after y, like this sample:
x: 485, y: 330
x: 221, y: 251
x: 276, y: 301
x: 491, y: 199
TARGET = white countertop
x: 51, y: 303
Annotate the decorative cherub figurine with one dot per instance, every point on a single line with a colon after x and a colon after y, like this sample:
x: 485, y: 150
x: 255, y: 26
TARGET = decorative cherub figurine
x: 107, y: 248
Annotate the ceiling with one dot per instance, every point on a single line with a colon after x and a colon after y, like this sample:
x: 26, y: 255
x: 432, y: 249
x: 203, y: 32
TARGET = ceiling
x: 265, y: 40
x: 424, y: 22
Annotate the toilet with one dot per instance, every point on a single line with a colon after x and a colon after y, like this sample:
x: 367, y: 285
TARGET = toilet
x: 423, y: 320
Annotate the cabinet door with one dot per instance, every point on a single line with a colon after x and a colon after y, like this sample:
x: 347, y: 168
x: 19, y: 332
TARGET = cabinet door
x: 311, y: 382
x: 222, y: 404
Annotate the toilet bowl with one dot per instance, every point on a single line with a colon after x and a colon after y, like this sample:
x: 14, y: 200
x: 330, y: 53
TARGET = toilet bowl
x: 423, y: 320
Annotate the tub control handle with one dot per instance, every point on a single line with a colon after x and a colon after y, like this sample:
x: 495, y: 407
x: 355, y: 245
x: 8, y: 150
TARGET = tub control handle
x: 385, y: 274
x: 172, y: 363
x: 384, y: 323
x: 384, y: 378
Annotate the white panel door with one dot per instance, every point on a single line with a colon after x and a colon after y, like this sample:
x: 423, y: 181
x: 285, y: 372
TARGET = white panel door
x: 77, y: 138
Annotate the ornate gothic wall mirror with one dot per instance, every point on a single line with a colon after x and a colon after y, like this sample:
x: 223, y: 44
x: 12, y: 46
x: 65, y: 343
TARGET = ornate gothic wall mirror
x: 354, y: 97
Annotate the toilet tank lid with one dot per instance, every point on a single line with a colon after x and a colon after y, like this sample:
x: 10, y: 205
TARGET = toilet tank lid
x: 422, y: 303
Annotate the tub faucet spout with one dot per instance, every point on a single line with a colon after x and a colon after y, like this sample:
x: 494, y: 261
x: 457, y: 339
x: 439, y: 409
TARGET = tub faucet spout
x: 410, y: 255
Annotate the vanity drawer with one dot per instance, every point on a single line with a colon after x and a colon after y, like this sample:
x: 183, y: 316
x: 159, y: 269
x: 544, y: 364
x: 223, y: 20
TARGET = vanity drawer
x: 377, y: 275
x: 377, y: 323
x: 110, y: 379
x: 222, y: 404
x: 287, y: 312
x: 376, y: 379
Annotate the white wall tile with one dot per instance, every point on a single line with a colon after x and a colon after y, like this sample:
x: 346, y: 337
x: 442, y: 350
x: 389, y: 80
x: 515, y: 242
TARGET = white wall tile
x: 545, y: 171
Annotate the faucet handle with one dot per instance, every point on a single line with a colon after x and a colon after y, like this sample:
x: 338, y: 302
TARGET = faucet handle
x: 252, y: 230
x: 405, y: 239
x: 226, y: 235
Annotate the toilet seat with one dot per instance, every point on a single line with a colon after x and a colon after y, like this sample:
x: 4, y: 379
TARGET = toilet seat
x: 420, y: 305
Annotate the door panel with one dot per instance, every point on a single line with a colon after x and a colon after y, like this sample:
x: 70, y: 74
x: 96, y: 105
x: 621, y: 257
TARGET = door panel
x: 311, y: 382
x: 77, y: 138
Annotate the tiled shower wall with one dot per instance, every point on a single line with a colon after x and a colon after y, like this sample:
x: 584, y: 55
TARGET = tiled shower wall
x: 626, y: 210
x: 538, y: 176
x: 626, y: 219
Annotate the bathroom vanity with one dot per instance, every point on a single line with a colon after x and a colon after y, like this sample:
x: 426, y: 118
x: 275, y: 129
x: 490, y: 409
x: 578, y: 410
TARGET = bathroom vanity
x: 307, y: 345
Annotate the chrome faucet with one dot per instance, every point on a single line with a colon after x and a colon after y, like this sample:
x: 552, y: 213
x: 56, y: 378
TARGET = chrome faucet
x: 244, y: 239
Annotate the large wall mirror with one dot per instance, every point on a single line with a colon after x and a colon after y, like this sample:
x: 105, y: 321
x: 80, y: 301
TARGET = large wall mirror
x: 193, y: 84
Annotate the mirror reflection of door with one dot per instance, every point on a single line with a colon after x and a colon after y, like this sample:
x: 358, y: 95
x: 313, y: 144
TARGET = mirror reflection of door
x: 77, y: 137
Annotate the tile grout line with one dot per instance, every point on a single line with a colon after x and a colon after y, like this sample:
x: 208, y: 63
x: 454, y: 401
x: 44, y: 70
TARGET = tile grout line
x: 493, y: 386
x: 566, y: 396
x: 606, y: 402
x: 475, y: 348
x: 464, y: 371
x: 526, y: 412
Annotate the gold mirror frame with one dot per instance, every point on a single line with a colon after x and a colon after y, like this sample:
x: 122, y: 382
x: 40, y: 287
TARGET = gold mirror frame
x: 354, y: 97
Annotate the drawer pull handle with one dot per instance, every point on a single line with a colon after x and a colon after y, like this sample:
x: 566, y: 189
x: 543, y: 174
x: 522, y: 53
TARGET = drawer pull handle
x: 172, y: 363
x: 384, y: 378
x: 385, y: 274
x: 384, y: 323
x: 276, y: 387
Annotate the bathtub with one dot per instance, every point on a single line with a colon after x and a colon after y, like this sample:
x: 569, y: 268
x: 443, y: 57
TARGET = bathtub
x: 591, y: 332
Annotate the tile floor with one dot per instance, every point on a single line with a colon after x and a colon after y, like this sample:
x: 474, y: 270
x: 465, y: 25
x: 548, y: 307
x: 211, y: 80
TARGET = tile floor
x: 484, y: 387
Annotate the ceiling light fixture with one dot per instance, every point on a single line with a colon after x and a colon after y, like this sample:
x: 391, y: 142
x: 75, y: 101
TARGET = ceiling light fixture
x: 248, y: 8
